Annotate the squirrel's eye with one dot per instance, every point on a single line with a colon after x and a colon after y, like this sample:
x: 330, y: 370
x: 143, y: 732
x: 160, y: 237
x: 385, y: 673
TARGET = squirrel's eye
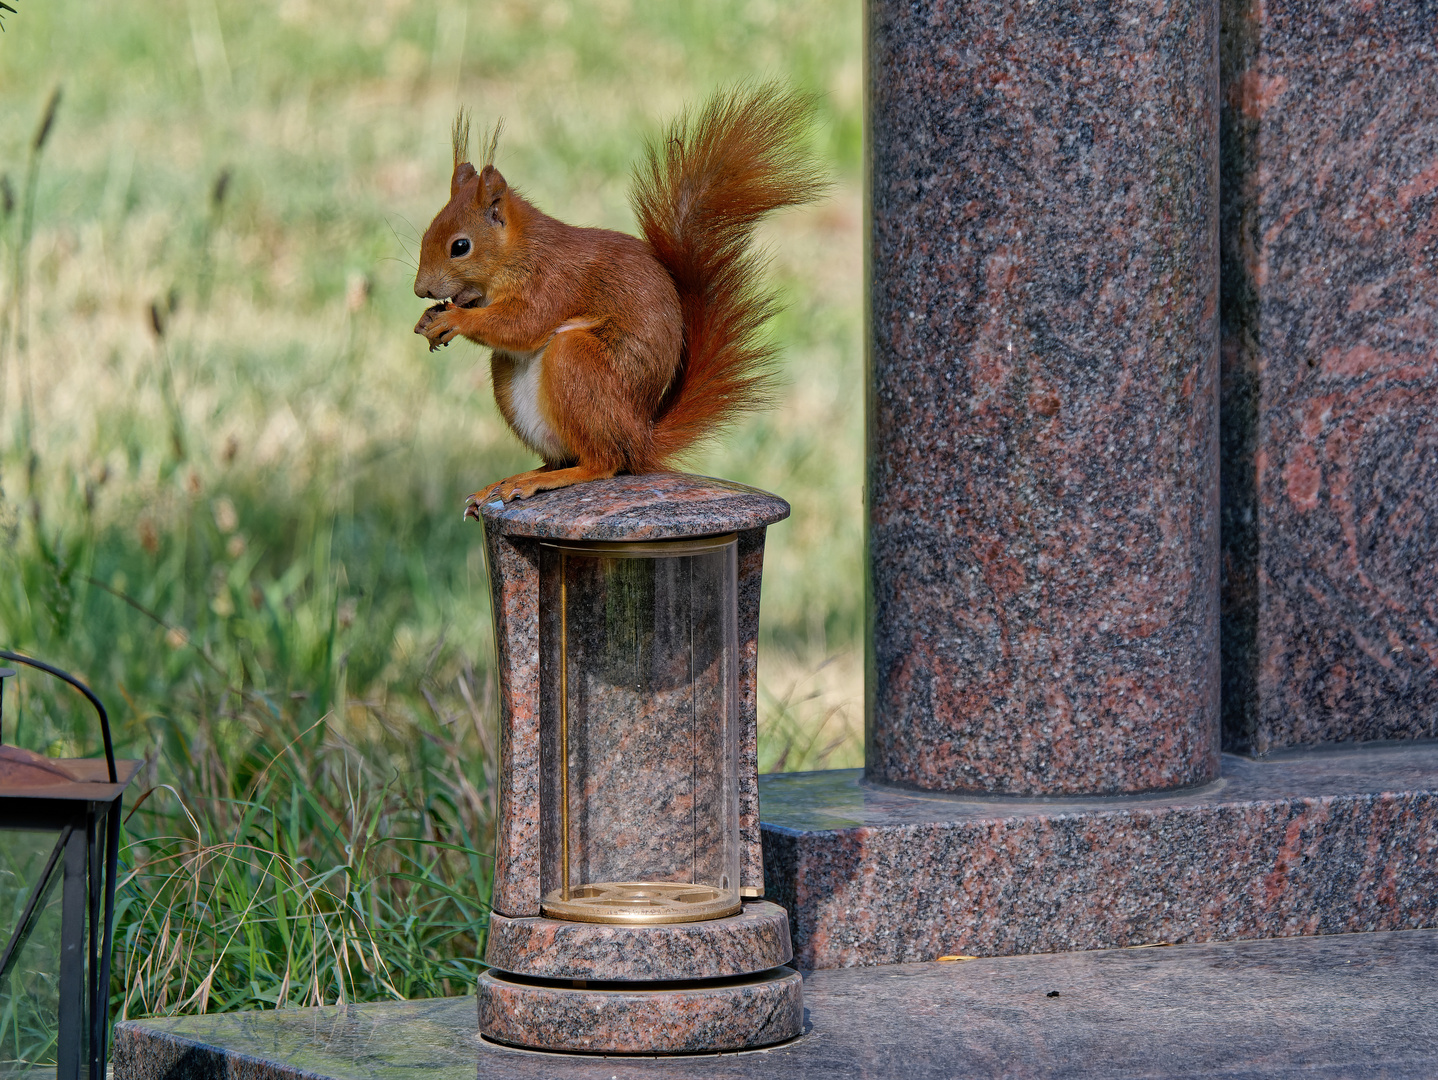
x: 459, y: 248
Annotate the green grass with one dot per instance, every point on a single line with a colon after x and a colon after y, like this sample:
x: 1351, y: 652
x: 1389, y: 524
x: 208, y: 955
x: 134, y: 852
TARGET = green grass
x: 231, y: 478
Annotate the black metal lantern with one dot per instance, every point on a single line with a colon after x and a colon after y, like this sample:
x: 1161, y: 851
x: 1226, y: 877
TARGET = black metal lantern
x: 59, y: 826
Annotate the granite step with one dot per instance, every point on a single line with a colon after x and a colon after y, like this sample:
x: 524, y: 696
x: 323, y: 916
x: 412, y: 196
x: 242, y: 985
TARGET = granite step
x: 1357, y: 1005
x: 1310, y: 842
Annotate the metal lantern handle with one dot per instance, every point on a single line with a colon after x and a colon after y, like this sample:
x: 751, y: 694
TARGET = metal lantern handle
x: 65, y: 676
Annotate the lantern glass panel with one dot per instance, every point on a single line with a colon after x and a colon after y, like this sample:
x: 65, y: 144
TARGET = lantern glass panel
x: 30, y: 995
x: 638, y: 731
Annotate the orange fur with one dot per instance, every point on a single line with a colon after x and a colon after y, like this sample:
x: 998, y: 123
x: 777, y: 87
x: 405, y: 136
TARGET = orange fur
x: 645, y: 346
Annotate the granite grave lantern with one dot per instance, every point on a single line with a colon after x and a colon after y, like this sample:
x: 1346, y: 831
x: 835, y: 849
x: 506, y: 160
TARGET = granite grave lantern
x: 59, y: 826
x: 628, y: 912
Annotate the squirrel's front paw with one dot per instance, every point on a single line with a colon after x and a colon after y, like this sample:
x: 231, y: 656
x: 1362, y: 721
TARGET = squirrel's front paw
x: 437, y: 325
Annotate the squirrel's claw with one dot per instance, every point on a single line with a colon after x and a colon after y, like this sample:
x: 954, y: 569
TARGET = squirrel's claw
x: 479, y: 498
x: 436, y: 326
x: 515, y: 487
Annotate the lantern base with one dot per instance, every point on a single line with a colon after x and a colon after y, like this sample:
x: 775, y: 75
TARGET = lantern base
x: 642, y: 1018
x: 755, y: 940
x: 641, y: 903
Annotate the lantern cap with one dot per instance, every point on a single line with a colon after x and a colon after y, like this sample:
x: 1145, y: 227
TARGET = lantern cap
x: 655, y: 506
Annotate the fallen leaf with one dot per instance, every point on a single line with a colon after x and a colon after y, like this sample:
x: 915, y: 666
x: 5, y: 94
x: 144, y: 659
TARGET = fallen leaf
x: 947, y: 959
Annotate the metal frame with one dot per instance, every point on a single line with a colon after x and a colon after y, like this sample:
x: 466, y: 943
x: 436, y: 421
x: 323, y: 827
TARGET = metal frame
x: 88, y: 849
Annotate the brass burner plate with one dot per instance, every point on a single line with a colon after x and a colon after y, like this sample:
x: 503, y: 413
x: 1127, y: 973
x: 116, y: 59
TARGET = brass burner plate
x: 641, y: 903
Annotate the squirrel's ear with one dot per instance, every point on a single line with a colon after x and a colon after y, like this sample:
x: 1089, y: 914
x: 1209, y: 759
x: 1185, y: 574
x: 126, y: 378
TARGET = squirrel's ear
x: 463, y: 174
x: 491, y: 188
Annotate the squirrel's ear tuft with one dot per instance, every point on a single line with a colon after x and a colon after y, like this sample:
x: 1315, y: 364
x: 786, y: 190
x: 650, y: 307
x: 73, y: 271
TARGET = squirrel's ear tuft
x: 460, y: 137
x: 491, y: 188
x: 463, y: 174
x: 491, y: 141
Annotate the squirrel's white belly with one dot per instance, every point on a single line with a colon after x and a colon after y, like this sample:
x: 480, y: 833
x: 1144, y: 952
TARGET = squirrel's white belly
x: 527, y: 416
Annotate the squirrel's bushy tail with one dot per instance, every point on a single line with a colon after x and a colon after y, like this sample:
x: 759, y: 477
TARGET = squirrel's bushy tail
x: 698, y: 196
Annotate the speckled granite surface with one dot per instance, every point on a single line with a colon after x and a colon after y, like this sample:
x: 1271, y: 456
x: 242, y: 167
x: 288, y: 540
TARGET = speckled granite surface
x: 659, y: 506
x: 750, y: 571
x: 734, y: 1014
x: 1352, y: 1007
x: 1043, y: 458
x: 754, y: 940
x: 1330, y: 372
x: 513, y: 564
x: 1318, y: 843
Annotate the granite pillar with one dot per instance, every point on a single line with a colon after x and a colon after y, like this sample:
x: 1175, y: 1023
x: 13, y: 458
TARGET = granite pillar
x: 1043, y: 451
x: 1330, y: 372
x: 1043, y: 768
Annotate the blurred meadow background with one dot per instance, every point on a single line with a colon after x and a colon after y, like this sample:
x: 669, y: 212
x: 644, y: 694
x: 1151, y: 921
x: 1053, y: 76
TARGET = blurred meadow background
x: 231, y: 477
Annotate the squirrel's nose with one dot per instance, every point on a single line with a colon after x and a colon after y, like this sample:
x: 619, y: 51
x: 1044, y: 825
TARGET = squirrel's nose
x: 424, y: 287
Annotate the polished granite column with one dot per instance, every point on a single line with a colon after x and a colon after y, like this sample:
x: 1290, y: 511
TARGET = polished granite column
x: 1043, y: 453
x: 1043, y: 501
x: 1330, y: 372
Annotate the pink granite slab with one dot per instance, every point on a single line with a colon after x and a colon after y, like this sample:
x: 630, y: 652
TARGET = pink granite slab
x: 1330, y: 372
x: 736, y: 1014
x: 755, y: 940
x: 1350, y: 1007
x: 1042, y: 488
x: 1321, y: 843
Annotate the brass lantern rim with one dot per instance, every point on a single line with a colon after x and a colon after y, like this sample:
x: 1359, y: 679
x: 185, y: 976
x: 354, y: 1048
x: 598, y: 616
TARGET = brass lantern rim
x: 624, y: 902
x: 642, y: 549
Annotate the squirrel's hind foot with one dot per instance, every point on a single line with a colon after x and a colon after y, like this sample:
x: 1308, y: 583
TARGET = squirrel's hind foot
x: 528, y: 484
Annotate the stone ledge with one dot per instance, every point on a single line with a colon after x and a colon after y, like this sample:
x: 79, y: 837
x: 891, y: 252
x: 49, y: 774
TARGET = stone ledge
x: 1354, y: 1007
x: 1326, y: 842
x: 632, y: 1018
x: 755, y: 940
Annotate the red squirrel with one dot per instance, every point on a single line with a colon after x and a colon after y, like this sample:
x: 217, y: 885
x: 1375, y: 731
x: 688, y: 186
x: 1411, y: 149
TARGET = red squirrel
x: 612, y: 353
